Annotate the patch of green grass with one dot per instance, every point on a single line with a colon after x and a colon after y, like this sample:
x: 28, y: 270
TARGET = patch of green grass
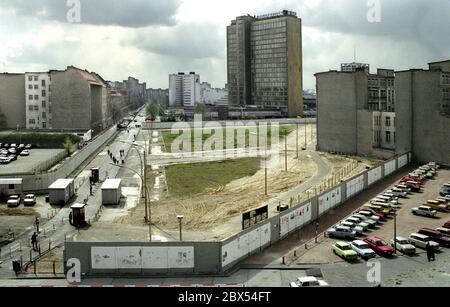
x: 186, y: 180
x: 169, y: 138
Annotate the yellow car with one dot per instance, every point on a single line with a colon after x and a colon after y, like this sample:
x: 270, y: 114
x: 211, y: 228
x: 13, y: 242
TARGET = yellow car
x: 345, y: 251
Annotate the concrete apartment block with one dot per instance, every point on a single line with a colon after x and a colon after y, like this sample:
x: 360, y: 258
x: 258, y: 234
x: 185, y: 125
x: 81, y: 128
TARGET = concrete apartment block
x: 12, y: 99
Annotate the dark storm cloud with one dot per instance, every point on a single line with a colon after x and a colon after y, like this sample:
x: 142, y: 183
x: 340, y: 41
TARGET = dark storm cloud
x: 129, y: 13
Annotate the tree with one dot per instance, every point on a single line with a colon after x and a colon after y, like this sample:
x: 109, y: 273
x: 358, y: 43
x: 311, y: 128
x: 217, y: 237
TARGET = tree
x: 69, y: 146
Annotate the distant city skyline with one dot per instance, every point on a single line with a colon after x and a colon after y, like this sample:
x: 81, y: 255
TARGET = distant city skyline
x: 151, y: 39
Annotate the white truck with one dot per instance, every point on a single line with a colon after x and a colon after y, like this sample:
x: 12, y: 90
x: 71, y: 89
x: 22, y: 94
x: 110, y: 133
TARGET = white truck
x: 424, y: 211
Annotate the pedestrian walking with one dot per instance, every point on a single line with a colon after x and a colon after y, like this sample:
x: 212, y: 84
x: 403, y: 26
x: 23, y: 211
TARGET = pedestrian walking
x: 36, y: 224
x: 34, y: 241
x: 431, y: 255
x: 71, y: 218
x: 123, y: 161
x: 90, y: 190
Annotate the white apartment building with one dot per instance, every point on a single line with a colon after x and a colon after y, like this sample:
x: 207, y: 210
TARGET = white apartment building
x: 384, y: 132
x: 37, y: 101
x: 184, y: 90
x: 214, y: 96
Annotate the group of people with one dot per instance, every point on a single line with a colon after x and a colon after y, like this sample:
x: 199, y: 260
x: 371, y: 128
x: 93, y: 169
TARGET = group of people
x: 117, y: 160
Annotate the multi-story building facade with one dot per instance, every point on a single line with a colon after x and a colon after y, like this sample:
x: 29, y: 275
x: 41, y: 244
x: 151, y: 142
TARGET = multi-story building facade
x: 184, y: 90
x: 213, y: 96
x: 12, y: 100
x: 38, y: 102
x: 264, y: 56
x: 357, y: 116
x: 352, y: 67
x: 78, y: 100
x: 423, y: 113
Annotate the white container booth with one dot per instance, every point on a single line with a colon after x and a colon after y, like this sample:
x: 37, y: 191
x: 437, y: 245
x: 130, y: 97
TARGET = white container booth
x: 61, y: 192
x: 111, y: 192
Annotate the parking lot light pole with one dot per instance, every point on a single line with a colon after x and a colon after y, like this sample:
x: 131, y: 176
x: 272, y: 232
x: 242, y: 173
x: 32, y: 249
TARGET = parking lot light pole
x: 395, y: 232
x: 180, y: 219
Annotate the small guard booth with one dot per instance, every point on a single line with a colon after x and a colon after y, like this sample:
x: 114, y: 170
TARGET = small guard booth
x: 111, y: 192
x: 78, y: 214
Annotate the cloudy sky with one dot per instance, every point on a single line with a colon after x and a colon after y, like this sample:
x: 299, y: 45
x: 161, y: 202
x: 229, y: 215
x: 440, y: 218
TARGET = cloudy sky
x: 151, y: 38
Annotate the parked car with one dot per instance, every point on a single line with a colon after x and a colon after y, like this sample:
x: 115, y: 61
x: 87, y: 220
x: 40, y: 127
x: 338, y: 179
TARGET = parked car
x: 13, y: 146
x: 398, y: 192
x: 12, y: 151
x: 443, y: 231
x: 309, y: 281
x: 14, y: 201
x: 6, y: 145
x: 436, y: 236
x: 436, y: 205
x: 445, y: 191
x: 29, y: 200
x: 388, y: 199
x: 424, y: 211
x: 5, y: 160
x: 367, y: 220
x: 358, y: 229
x: 404, y: 188
x: 379, y: 246
x: 404, y: 246
x: 359, y: 222
x: 378, y: 209
x: 421, y: 241
x: 28, y: 146
x: 25, y: 153
x: 414, y: 187
x: 12, y: 157
x: 363, y: 250
x: 446, y: 225
x: 4, y: 152
x: 370, y: 215
x: 341, y: 232
x: 344, y: 250
x: 381, y: 215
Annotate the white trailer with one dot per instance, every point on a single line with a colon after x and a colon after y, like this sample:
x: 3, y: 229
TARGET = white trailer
x: 61, y: 191
x: 111, y: 192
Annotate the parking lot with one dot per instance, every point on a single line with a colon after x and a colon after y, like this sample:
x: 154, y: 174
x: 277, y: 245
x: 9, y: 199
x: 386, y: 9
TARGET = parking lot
x: 407, y: 223
x: 38, y: 160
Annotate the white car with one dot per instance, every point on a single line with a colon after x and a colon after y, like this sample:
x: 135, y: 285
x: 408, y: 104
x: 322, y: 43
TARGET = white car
x: 403, y: 187
x: 370, y: 215
x: 363, y: 249
x: 14, y: 201
x: 421, y: 241
x: 29, y: 200
x: 358, y: 229
x: 25, y: 153
x: 398, y: 193
x: 404, y: 246
x: 309, y: 281
x: 367, y: 220
x: 341, y: 232
x: 424, y: 211
x: 359, y: 222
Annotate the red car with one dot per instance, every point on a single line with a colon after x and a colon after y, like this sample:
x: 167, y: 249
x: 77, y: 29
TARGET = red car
x: 447, y: 225
x: 413, y: 187
x: 411, y: 178
x: 380, y: 246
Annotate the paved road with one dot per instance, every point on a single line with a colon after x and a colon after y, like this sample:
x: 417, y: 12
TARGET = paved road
x: 58, y: 229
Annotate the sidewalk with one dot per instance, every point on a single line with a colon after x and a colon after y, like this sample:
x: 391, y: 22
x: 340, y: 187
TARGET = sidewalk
x: 57, y: 230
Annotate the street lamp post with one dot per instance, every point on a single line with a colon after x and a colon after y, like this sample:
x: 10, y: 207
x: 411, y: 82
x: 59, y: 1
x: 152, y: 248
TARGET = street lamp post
x: 180, y: 219
x: 146, y: 190
x: 395, y: 232
x: 297, y: 140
